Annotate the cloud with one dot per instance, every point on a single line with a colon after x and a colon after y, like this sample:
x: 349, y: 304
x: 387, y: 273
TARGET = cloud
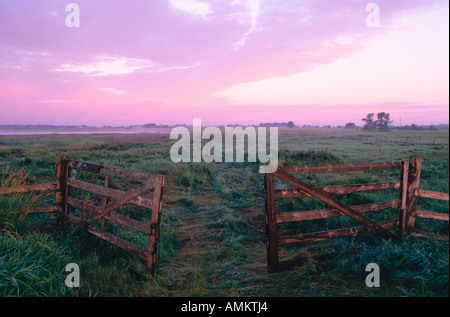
x: 107, y: 66
x: 118, y: 65
x: 58, y: 101
x: 114, y: 90
x: 193, y: 7
x: 253, y: 12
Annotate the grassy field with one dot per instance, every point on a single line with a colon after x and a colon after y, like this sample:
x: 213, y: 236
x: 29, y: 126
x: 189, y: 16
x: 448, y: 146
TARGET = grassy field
x: 212, y: 232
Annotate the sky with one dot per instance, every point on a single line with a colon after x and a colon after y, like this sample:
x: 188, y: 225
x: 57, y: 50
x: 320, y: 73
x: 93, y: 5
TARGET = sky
x: 131, y: 62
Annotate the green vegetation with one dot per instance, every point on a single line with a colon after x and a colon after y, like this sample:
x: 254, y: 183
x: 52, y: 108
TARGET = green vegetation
x: 212, y: 230
x: 32, y: 264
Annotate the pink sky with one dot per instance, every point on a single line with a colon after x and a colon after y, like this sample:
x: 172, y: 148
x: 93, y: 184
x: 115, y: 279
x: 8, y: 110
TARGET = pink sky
x: 238, y: 61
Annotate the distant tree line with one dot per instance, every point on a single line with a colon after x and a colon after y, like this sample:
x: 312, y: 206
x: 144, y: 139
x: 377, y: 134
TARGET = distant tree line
x: 289, y: 124
x: 416, y: 127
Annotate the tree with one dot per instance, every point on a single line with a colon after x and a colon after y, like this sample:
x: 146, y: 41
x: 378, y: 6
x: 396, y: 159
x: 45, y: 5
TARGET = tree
x: 290, y: 124
x: 370, y: 123
x: 383, y: 122
x: 350, y: 125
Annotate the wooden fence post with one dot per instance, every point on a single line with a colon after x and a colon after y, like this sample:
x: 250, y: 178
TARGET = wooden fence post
x: 403, y: 198
x: 415, y: 164
x: 155, y: 224
x: 104, y: 204
x: 271, y: 223
x: 61, y: 191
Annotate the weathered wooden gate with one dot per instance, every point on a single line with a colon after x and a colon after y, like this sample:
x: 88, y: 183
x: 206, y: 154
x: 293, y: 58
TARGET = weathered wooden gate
x: 408, y: 186
x: 105, y: 208
x: 106, y: 211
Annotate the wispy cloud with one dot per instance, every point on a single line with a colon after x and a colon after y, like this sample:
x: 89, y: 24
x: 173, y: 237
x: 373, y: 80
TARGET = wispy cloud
x: 58, y: 101
x: 194, y: 7
x: 107, y: 66
x: 118, y: 65
x: 114, y: 90
x: 253, y: 12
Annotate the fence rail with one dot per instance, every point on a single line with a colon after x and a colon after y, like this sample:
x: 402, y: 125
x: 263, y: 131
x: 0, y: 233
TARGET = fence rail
x: 112, y: 171
x: 22, y: 189
x: 339, y: 189
x: 109, y: 192
x: 340, y: 168
x: 432, y: 194
x: 28, y: 188
x: 330, y: 213
x: 331, y: 234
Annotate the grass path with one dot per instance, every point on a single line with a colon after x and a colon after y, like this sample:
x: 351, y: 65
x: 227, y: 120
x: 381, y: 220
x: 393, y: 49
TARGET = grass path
x: 187, y: 271
x: 211, y: 262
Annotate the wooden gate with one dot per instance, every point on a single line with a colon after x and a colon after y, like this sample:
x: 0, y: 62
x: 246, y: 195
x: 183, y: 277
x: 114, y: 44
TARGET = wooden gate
x: 414, y: 193
x: 407, y: 185
x: 105, y: 208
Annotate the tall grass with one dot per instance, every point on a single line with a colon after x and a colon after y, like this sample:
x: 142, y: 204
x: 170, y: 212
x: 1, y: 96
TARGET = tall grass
x: 15, y: 207
x: 32, y: 265
x: 194, y: 176
x: 414, y: 267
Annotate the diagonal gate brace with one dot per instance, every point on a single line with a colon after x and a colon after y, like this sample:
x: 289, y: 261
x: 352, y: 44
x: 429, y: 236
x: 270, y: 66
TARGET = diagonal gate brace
x: 125, y: 198
x: 327, y: 199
